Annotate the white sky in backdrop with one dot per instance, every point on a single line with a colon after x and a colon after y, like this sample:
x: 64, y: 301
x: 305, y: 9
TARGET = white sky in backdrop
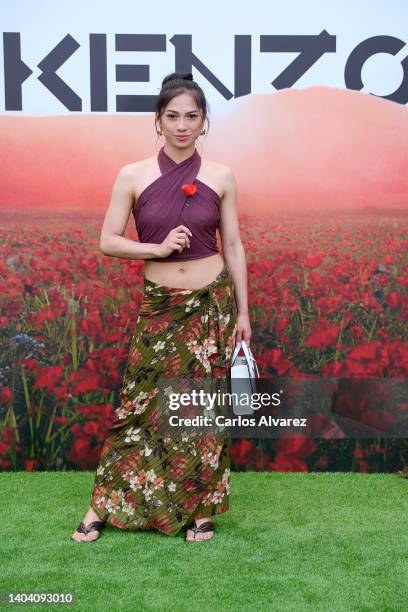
x: 212, y: 25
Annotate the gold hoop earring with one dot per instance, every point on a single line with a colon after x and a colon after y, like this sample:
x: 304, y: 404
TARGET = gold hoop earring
x: 159, y: 132
x: 202, y: 132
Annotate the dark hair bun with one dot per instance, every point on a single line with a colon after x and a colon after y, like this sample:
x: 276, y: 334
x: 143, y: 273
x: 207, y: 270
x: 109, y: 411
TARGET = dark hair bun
x: 177, y: 76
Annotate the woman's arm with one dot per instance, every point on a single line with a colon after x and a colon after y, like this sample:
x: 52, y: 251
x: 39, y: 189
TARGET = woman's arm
x: 234, y: 254
x: 112, y: 242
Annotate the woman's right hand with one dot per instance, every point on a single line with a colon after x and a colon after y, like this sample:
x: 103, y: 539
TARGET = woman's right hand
x: 177, y: 239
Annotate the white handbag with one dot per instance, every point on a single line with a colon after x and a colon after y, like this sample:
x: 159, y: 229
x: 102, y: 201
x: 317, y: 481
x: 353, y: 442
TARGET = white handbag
x: 244, y: 370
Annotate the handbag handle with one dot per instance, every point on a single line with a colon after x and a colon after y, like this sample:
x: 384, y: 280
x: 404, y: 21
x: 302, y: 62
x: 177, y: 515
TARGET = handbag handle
x: 248, y: 354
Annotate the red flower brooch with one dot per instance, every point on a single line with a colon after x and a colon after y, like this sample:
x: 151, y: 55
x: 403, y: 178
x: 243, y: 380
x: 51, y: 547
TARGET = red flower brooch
x: 189, y: 189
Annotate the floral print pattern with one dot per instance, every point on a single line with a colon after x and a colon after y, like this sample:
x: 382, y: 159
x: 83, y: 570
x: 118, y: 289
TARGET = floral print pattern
x: 145, y: 481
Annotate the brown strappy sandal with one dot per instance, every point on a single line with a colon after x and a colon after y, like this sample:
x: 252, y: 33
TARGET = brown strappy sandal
x: 202, y: 528
x: 94, y: 526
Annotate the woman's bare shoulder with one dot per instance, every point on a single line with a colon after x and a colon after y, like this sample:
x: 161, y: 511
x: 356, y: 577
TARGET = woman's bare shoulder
x: 217, y: 175
x: 216, y: 166
x: 139, y: 166
x: 138, y: 174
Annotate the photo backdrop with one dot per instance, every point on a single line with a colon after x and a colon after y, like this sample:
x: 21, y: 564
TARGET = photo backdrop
x: 307, y: 105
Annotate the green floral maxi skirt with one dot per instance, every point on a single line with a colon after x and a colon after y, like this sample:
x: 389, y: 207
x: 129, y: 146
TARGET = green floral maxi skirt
x: 149, y: 482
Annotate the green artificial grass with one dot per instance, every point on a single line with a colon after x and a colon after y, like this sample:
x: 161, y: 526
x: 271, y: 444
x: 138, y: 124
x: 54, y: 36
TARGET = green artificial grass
x: 291, y: 541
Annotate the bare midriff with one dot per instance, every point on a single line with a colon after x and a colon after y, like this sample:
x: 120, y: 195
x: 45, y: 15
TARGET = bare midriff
x: 189, y: 274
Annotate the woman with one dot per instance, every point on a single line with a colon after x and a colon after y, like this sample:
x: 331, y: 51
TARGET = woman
x: 188, y: 326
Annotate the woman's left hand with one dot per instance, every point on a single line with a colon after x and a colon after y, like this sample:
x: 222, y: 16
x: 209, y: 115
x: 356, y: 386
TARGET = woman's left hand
x: 243, y: 329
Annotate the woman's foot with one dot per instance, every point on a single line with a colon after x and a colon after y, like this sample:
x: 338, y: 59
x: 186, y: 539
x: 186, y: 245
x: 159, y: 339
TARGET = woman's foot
x: 194, y: 535
x: 90, y: 517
